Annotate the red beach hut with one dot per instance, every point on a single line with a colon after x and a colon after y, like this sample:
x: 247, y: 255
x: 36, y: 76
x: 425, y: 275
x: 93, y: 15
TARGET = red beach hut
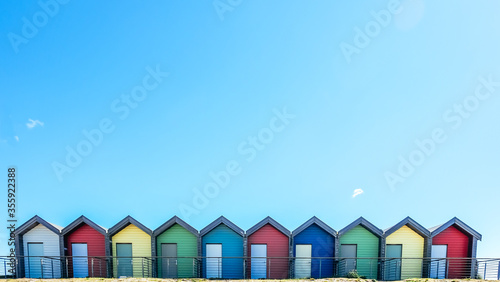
x: 85, y: 247
x: 453, y: 239
x: 268, y: 248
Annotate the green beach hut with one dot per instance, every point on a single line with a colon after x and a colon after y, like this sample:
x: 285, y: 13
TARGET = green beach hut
x: 360, y: 239
x: 176, y: 246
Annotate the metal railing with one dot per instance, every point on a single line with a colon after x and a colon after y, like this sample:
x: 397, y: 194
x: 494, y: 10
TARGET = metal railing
x: 388, y: 269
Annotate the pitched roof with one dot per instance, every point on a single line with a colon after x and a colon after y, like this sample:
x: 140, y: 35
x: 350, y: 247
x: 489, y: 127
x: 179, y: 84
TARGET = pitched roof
x: 226, y: 222
x: 125, y: 222
x: 461, y: 226
x: 318, y: 222
x: 171, y: 222
x: 33, y: 222
x: 80, y: 220
x: 272, y: 222
x: 366, y: 224
x: 412, y: 224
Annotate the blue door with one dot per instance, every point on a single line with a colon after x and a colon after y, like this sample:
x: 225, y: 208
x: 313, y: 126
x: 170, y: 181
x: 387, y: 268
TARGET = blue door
x: 35, y: 260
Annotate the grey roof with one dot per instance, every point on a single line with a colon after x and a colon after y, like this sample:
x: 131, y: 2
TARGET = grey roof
x: 435, y: 227
x: 366, y: 224
x: 125, y: 222
x: 171, y: 222
x: 460, y: 224
x: 415, y: 226
x: 34, y: 221
x: 272, y: 222
x: 226, y: 222
x: 317, y: 221
x: 80, y: 220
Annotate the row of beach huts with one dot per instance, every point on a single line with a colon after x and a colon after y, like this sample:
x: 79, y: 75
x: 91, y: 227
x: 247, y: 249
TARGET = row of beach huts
x: 223, y: 250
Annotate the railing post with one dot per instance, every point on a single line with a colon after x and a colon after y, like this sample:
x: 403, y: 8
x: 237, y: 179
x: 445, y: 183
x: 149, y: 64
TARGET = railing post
x: 52, y: 267
x: 92, y: 265
x: 320, y: 273
x: 219, y: 274
x: 269, y: 275
x: 66, y: 266
x: 484, y: 277
x: 371, y: 268
x: 446, y: 270
x: 437, y: 270
x: 41, y: 265
x: 245, y: 268
x: 498, y: 275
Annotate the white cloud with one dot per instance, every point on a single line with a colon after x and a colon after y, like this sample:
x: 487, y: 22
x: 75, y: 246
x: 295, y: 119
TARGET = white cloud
x: 17, y: 138
x: 357, y: 192
x: 33, y: 123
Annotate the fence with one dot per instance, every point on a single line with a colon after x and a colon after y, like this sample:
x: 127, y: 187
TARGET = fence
x: 388, y: 269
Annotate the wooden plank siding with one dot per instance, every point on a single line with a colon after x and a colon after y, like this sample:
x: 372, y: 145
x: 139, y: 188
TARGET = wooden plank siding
x: 367, y: 247
x: 51, y: 247
x: 232, y: 246
x: 141, y: 247
x: 459, y: 246
x: 277, y: 246
x: 187, y: 246
x: 413, y: 247
x: 95, y: 248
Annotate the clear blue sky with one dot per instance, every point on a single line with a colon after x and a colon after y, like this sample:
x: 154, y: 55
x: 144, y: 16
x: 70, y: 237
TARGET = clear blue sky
x: 304, y: 101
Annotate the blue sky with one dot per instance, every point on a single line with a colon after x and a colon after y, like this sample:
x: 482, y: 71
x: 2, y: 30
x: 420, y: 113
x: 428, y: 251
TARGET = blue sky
x: 298, y: 103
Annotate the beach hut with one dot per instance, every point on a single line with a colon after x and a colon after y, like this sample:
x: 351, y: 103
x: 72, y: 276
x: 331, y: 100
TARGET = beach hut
x: 360, y: 239
x: 409, y: 240
x: 268, y: 244
x: 40, y: 242
x: 313, y: 246
x: 85, y: 248
x: 131, y: 247
x: 453, y: 239
x: 222, y: 250
x: 176, y: 246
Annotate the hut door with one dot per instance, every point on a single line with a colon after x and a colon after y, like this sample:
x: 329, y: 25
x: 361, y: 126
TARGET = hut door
x: 214, y: 260
x: 124, y: 254
x: 258, y: 261
x: 349, y: 252
x: 35, y: 253
x: 169, y: 260
x: 393, y: 262
x: 438, y: 262
x: 80, y: 260
x: 303, y: 255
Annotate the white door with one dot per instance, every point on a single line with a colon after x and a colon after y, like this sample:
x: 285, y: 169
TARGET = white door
x: 438, y: 262
x: 303, y: 255
x: 214, y: 260
x: 80, y: 260
x: 258, y: 261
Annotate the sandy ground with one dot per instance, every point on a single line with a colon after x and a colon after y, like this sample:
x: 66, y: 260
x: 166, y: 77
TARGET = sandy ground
x: 207, y: 280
